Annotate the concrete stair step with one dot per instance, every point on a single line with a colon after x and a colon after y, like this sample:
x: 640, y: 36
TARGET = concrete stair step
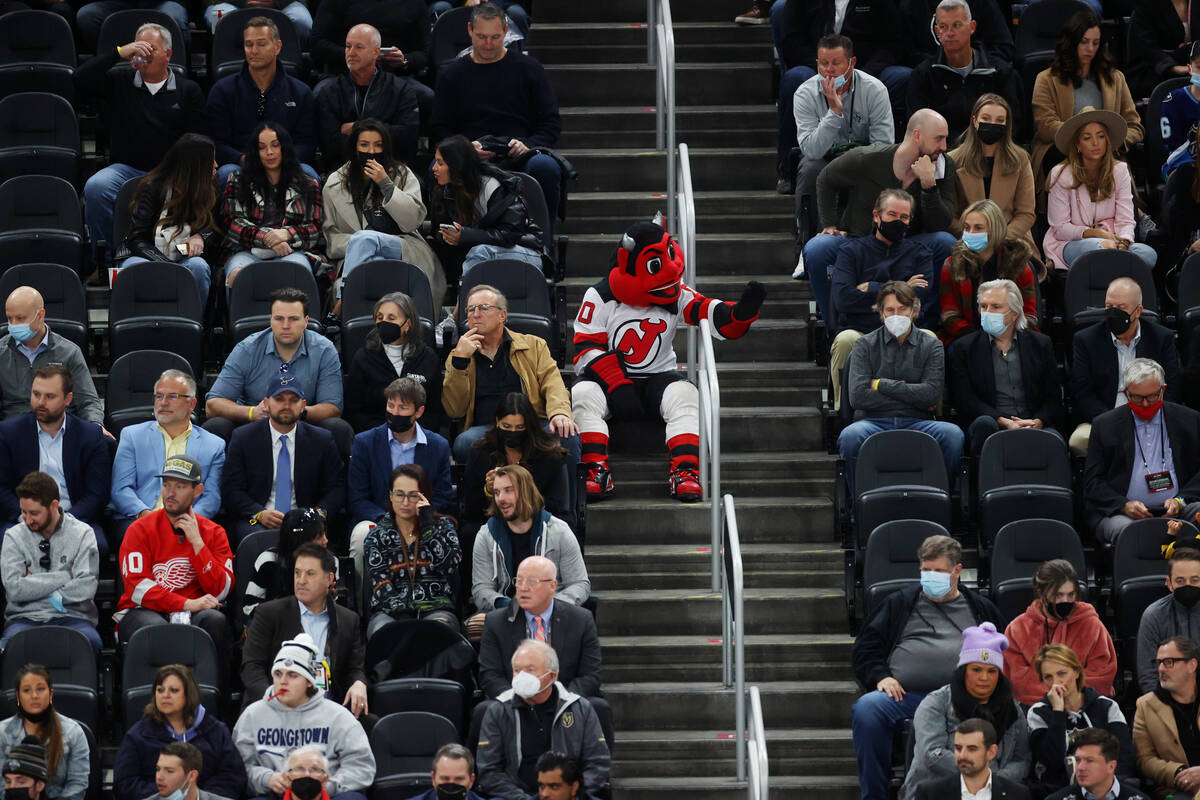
x: 735, y: 464
x: 625, y: 84
x: 725, y: 787
x: 788, y: 299
x: 609, y: 559
x: 715, y: 137
x: 648, y: 754
x: 635, y: 11
x: 690, y: 120
x: 625, y: 519
x: 689, y: 705
x: 634, y: 33
x: 693, y: 52
x: 768, y: 340
x: 643, y: 612
x: 764, y: 428
x: 698, y: 576
x: 723, y: 253
x: 698, y: 658
x: 623, y: 169
x: 731, y: 219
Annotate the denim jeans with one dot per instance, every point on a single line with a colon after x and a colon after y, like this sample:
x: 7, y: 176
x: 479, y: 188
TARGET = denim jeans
x: 301, y: 19
x: 820, y: 252
x: 74, y: 623
x: 875, y: 719
x: 487, y: 252
x: 245, y: 258
x: 1075, y: 249
x: 366, y: 245
x: 99, y: 200
x: 195, y: 264
x: 91, y: 16
x: 949, y: 438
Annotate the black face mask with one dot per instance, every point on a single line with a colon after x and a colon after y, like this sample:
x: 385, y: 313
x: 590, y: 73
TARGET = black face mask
x: 399, y: 423
x: 1187, y: 596
x: 451, y: 791
x: 17, y: 793
x: 990, y: 132
x: 306, y: 788
x: 893, y: 230
x: 388, y: 331
x: 1117, y: 321
x: 361, y: 158
x: 1063, y: 610
x: 38, y: 718
x: 513, y: 439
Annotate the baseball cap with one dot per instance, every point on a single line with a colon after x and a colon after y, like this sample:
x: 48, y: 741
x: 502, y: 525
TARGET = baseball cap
x: 285, y: 382
x: 183, y: 467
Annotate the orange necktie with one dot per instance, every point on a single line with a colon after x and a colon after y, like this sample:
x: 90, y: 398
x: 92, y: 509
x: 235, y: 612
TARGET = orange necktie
x: 540, y: 632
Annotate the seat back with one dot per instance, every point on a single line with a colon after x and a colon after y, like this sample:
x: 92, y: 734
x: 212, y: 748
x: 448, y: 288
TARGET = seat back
x: 370, y: 281
x: 157, y: 645
x: 404, y: 744
x: 95, y: 767
x: 122, y: 213
x: 129, y: 391
x: 228, y: 52
x: 68, y: 656
x: 1040, y: 23
x: 250, y: 298
x: 41, y: 221
x: 1019, y: 549
x: 900, y: 458
x: 121, y: 27
x: 1024, y: 456
x: 450, y: 36
x: 891, y: 561
x: 155, y: 289
x: 1189, y: 301
x: 1090, y: 275
x: 530, y: 309
x: 1139, y: 576
x: 37, y: 53
x: 244, y: 562
x: 39, y: 134
x: 535, y: 204
x: 62, y: 292
x: 439, y: 696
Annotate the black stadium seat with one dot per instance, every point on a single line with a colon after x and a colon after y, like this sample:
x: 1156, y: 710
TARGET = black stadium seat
x: 1040, y: 23
x: 1018, y: 550
x: 40, y: 221
x: 228, y: 54
x: 404, y: 745
x: 900, y: 474
x: 450, y: 36
x: 156, y: 304
x: 158, y: 645
x: 249, y: 300
x: 37, y: 54
x: 1189, y: 303
x: 122, y: 213
x: 62, y: 293
x: 434, y: 695
x: 96, y: 768
x: 1156, y: 149
x: 1088, y: 280
x: 556, y: 246
x: 248, y: 551
x: 68, y: 656
x: 1023, y: 473
x: 370, y: 281
x: 120, y: 27
x: 39, y: 135
x: 129, y: 391
x: 891, y: 562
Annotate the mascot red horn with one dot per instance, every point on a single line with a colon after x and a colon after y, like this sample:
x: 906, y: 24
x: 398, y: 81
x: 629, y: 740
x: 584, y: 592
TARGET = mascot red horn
x: 625, y: 359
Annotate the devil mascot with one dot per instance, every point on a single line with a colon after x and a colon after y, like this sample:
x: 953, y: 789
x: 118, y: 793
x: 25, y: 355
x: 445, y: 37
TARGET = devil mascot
x: 625, y: 360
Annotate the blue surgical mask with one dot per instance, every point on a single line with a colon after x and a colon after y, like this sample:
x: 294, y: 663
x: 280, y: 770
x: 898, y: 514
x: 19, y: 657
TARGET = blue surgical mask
x: 992, y: 322
x: 935, y: 584
x: 21, y: 331
x: 1195, y: 79
x: 839, y: 81
x: 178, y: 794
x: 975, y: 241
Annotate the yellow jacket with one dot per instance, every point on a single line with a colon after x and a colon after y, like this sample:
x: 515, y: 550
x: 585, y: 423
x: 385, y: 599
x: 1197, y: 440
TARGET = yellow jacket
x: 541, y: 381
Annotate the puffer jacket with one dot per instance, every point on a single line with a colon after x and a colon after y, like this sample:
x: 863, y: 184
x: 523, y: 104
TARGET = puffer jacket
x: 505, y: 223
x: 223, y: 772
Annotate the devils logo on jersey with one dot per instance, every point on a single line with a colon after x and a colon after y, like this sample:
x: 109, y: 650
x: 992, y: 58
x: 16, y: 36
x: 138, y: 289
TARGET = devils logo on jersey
x: 639, y: 341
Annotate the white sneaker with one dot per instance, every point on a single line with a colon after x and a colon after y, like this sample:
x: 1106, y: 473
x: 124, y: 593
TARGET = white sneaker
x: 798, y: 272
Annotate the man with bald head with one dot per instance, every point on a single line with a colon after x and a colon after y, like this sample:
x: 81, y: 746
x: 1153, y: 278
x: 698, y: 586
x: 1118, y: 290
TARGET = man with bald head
x: 1102, y: 351
x: 30, y: 344
x: 919, y: 165
x: 365, y: 91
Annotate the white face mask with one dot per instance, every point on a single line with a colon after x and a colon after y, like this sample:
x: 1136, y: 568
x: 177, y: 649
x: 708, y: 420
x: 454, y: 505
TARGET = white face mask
x: 525, y: 684
x: 897, y: 324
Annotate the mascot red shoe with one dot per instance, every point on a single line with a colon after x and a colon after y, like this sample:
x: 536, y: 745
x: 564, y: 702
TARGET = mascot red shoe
x: 625, y: 360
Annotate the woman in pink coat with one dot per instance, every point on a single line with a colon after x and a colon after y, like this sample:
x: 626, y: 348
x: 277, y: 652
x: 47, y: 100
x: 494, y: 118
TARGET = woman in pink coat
x: 1057, y: 616
x: 1090, y: 202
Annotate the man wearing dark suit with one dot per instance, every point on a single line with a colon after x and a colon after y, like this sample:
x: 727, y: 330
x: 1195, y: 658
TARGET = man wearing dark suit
x: 309, y: 610
x: 276, y: 464
x: 69, y: 449
x: 1096, y: 751
x: 1143, y: 459
x: 974, y: 748
x: 1004, y: 376
x: 1102, y: 351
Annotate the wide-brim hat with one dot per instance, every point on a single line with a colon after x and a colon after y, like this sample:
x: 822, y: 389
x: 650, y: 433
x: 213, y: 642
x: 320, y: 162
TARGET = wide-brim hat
x: 1114, y: 122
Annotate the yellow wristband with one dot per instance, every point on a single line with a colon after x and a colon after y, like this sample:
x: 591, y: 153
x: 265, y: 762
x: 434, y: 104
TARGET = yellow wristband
x: 251, y: 412
x: 875, y: 385
x: 119, y: 52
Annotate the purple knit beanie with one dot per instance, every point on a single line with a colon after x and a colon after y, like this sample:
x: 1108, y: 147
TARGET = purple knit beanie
x: 983, y: 645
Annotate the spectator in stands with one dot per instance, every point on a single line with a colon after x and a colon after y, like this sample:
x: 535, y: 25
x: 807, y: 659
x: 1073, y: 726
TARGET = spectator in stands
x: 1167, y: 752
x: 990, y: 32
x: 365, y: 92
x: 25, y: 768
x: 173, y: 216
x: 907, y: 650
x: 490, y: 361
x: 49, y: 565
x: 274, y: 464
x: 70, y: 450
x: 30, y: 344
x: 261, y: 93
x: 1144, y: 460
x: 411, y: 556
x: 403, y: 24
x: 1082, y: 75
x: 478, y: 212
x: 395, y: 348
x: 1057, y: 615
x: 273, y: 567
x: 986, y: 248
x: 373, y: 209
x: 504, y: 97
x: 1180, y: 112
x: 145, y: 115
x: 1177, y: 614
x: 953, y: 79
x: 918, y: 165
x: 834, y: 111
x: 1181, y: 197
x: 863, y: 266
x: 67, y: 754
x: 308, y: 608
x: 508, y: 758
x: 91, y: 17
x: 1097, y: 756
x: 1102, y: 351
x: 1090, y: 205
x: 873, y: 35
x: 272, y: 208
x: 453, y: 766
x: 136, y: 487
x: 978, y: 689
x: 518, y: 528
x: 1065, y: 711
x: 1159, y: 40
x: 174, y: 560
x: 379, y: 451
x: 896, y: 381
x: 516, y: 438
x: 1004, y: 376
x: 176, y: 772
x: 294, y: 709
x: 295, y: 10
x: 288, y: 348
x: 975, y: 747
x: 558, y: 777
x: 990, y: 166
x: 176, y: 717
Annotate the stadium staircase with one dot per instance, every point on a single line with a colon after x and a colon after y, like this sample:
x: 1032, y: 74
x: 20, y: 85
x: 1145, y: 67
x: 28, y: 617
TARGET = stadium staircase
x: 648, y: 556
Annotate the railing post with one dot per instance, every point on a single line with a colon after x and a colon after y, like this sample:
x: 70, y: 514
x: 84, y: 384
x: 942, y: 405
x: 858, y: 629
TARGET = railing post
x: 739, y: 630
x: 651, y: 23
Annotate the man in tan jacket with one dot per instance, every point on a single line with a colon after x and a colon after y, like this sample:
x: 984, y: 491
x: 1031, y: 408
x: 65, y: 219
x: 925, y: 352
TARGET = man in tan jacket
x: 1168, y: 753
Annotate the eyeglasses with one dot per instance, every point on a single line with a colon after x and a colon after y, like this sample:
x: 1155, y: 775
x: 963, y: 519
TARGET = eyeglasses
x: 262, y: 104
x: 532, y: 583
x: 1143, y: 398
x: 44, y: 546
x: 942, y: 27
x: 400, y: 497
x: 316, y: 772
x: 170, y: 397
x: 1167, y: 662
x: 482, y: 308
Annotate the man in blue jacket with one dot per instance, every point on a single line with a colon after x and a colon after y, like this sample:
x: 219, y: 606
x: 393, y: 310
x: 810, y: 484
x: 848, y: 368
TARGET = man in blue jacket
x: 453, y: 766
x: 262, y: 91
x: 378, y: 451
x: 145, y: 447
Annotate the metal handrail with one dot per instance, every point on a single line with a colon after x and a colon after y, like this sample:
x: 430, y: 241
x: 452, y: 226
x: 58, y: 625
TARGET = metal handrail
x: 759, y: 784
x: 686, y: 201
x: 710, y: 442
x: 661, y: 44
x: 733, y: 626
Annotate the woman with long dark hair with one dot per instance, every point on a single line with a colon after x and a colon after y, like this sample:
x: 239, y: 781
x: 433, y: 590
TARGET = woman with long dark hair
x: 395, y: 348
x: 1082, y: 74
x: 271, y: 208
x: 273, y: 566
x: 373, y: 209
x: 172, y: 213
x: 478, y: 213
x: 67, y: 753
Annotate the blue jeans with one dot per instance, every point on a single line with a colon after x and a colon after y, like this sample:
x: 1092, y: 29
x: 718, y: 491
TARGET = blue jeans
x: 225, y: 170
x: 875, y: 719
x: 301, y: 19
x: 245, y: 258
x: 91, y: 16
x: 195, y: 264
x: 366, y: 245
x: 99, y: 200
x: 819, y: 254
x: 1075, y: 249
x: 463, y: 443
x: 949, y: 438
x: 486, y: 252
x: 518, y: 16
x: 74, y: 623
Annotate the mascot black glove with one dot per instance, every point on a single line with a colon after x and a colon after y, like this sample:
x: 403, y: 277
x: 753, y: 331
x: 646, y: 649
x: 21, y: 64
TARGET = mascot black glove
x: 608, y: 371
x: 752, y: 299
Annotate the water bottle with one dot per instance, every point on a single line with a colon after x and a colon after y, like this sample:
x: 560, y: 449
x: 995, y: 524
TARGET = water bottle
x: 138, y: 61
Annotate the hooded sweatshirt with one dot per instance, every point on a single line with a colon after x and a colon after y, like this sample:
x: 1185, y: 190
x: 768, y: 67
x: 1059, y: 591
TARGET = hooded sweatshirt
x: 1082, y: 631
x: 492, y: 565
x: 1162, y: 619
x: 268, y: 730
x: 222, y: 773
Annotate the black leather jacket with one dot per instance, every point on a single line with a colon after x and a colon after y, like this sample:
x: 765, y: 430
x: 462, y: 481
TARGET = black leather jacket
x: 505, y: 223
x: 139, y: 241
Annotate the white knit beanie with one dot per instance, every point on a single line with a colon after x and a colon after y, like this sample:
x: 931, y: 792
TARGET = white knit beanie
x: 298, y: 655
